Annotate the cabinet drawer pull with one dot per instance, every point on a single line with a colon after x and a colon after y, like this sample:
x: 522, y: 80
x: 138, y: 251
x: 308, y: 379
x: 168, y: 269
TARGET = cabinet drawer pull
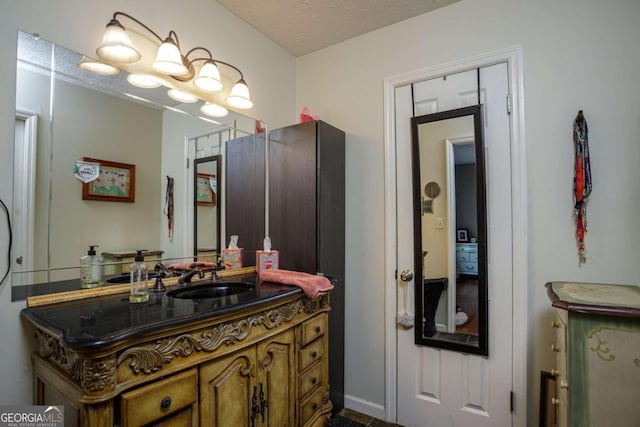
x: 318, y: 329
x: 555, y: 372
x: 555, y: 401
x: 166, y: 402
x: 555, y: 324
x: 555, y: 348
x: 314, y: 354
x: 314, y: 380
x: 314, y: 406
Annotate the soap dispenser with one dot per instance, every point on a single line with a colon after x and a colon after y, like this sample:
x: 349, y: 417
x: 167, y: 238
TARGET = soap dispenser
x: 139, y: 276
x: 91, y: 269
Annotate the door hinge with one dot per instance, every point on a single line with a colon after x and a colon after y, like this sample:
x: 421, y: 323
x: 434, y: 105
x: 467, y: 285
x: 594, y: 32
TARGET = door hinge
x: 508, y: 103
x: 187, y: 163
x: 512, y: 402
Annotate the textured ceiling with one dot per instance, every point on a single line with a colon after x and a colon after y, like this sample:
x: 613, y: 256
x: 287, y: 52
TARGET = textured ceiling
x: 304, y: 26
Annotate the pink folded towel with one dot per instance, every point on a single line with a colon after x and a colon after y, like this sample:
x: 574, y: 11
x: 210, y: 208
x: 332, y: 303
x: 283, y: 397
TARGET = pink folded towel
x: 190, y: 265
x: 311, y: 284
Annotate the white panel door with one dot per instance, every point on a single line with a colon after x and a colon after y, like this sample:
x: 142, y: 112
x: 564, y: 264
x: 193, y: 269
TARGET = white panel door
x: 438, y: 387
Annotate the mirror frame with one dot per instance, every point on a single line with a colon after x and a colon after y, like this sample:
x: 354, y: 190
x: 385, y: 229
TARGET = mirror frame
x: 218, y: 159
x: 483, y: 332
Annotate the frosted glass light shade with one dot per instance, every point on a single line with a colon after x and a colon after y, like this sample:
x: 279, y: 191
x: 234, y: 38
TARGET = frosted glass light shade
x: 239, y: 96
x: 169, y: 60
x: 182, y: 96
x: 146, y: 81
x: 97, y: 67
x: 214, y: 110
x: 116, y: 45
x: 209, y: 78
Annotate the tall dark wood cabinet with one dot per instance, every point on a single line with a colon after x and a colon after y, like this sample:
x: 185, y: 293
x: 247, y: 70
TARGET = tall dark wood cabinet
x: 307, y: 219
x: 245, y: 194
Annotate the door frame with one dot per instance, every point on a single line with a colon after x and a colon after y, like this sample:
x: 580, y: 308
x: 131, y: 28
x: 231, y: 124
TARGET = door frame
x: 25, y: 156
x: 513, y: 57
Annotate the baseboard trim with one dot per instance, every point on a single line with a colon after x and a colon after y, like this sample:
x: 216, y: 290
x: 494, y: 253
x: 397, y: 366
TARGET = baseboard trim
x: 372, y: 409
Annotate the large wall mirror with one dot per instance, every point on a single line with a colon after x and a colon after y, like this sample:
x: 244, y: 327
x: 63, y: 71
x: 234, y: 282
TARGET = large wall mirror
x: 450, y: 234
x: 64, y: 114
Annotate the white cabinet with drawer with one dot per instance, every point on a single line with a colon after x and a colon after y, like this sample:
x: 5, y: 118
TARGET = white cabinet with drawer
x: 467, y: 258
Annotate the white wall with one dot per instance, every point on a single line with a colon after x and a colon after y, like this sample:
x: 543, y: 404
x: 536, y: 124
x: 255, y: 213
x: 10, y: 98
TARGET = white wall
x: 126, y: 133
x: 78, y: 25
x: 577, y: 55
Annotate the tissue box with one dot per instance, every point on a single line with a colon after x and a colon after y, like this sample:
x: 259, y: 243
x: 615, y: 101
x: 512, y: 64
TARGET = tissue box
x: 267, y: 260
x: 232, y: 258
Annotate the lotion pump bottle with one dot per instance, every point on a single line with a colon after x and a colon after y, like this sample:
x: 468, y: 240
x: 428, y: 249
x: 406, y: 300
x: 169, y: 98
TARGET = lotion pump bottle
x: 139, y: 276
x: 91, y: 269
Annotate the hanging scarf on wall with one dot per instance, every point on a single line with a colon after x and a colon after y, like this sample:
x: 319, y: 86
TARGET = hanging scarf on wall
x: 168, y: 206
x: 581, y: 181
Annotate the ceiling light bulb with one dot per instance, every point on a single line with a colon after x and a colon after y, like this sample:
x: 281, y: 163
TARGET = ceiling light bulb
x: 209, y: 78
x: 214, y: 110
x: 169, y: 59
x: 116, y: 45
x: 182, y: 96
x: 239, y: 96
x: 146, y: 81
x: 97, y: 67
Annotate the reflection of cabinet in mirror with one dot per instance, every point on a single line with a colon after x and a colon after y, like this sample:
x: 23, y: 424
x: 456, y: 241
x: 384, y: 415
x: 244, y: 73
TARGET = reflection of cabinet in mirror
x: 306, y: 217
x: 467, y: 258
x: 125, y: 258
x: 206, y: 255
x: 244, y: 194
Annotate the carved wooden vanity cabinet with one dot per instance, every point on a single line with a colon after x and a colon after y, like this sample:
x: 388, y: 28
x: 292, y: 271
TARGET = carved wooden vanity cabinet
x: 259, y: 363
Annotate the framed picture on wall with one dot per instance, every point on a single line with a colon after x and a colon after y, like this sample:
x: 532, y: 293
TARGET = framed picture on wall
x: 206, y: 185
x: 116, y: 182
x: 462, y: 235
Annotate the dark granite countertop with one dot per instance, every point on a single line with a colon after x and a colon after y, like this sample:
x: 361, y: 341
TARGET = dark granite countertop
x: 101, y: 321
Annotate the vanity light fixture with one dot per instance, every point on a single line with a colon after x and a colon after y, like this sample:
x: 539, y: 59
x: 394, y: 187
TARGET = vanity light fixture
x: 97, y: 67
x: 239, y: 96
x: 214, y: 110
x: 182, y: 96
x: 146, y: 81
x: 117, y: 48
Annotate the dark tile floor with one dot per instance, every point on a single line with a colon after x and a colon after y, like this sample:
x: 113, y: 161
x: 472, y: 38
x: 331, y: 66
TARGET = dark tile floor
x: 349, y: 418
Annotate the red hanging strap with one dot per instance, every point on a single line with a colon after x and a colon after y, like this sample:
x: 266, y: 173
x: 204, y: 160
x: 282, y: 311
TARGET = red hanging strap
x: 581, y: 181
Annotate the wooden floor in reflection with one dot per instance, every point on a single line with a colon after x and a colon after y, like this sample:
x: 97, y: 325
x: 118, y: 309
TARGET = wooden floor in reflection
x: 467, y: 299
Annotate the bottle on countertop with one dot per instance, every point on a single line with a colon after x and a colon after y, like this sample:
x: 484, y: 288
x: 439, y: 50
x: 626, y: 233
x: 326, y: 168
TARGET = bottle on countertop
x: 139, y: 276
x: 91, y: 269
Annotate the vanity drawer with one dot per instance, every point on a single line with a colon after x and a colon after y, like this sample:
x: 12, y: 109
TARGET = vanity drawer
x: 310, y: 379
x: 160, y: 399
x: 313, y: 328
x: 310, y: 406
x: 310, y: 353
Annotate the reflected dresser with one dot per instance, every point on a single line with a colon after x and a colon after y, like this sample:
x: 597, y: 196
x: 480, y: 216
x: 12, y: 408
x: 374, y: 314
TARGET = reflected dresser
x: 467, y: 258
x: 597, y: 349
